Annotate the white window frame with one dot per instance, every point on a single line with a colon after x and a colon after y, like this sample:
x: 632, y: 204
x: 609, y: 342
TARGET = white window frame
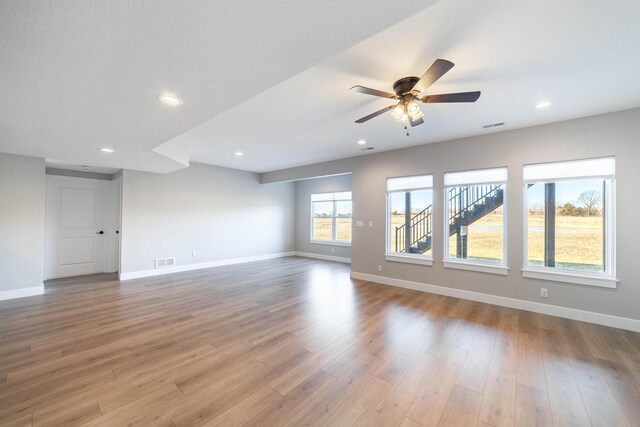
x: 485, y: 176
x: 409, y: 185
x: 605, y: 279
x: 333, y: 200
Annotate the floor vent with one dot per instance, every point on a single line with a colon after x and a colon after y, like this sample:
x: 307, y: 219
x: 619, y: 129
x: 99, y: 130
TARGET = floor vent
x: 165, y: 262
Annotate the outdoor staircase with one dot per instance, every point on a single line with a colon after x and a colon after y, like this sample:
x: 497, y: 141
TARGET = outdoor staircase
x: 466, y: 206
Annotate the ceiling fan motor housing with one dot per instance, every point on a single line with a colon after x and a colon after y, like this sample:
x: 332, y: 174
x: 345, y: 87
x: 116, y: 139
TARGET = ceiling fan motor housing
x: 404, y: 85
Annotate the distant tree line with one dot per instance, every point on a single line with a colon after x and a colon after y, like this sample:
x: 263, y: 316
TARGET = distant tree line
x: 589, y: 203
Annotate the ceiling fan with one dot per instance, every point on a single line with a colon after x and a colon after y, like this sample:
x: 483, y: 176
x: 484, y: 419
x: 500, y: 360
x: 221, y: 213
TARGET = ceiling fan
x: 408, y: 91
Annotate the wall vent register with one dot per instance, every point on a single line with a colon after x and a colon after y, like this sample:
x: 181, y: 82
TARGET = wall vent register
x: 165, y: 262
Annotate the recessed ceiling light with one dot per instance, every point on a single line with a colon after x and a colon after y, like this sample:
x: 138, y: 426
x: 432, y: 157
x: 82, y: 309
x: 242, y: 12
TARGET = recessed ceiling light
x: 170, y: 99
x: 107, y: 150
x: 542, y: 104
x: 362, y: 142
x: 239, y: 153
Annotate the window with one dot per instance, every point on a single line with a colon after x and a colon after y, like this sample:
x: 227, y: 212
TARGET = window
x: 331, y: 218
x: 569, y: 218
x: 475, y: 220
x: 409, y: 219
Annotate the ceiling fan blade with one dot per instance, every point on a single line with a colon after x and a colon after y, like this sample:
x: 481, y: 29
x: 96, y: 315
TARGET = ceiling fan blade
x: 376, y: 114
x: 452, y: 97
x: 415, y: 123
x: 437, y: 70
x: 374, y: 92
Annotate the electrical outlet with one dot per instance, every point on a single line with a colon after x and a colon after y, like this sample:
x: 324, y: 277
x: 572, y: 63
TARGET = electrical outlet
x: 370, y: 223
x: 544, y: 292
x: 193, y: 253
x: 379, y: 268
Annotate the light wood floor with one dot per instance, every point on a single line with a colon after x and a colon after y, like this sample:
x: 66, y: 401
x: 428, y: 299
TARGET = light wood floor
x: 295, y: 342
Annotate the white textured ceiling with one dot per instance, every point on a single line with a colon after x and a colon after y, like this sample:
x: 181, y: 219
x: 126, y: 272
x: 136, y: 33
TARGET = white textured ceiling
x: 272, y: 78
x: 584, y: 56
x: 76, y: 75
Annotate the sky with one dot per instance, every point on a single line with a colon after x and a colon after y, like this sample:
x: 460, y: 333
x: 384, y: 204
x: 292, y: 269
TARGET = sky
x: 566, y: 192
x: 419, y: 200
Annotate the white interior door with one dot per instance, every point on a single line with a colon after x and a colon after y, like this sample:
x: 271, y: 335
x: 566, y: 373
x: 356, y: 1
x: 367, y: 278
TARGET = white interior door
x: 75, y: 226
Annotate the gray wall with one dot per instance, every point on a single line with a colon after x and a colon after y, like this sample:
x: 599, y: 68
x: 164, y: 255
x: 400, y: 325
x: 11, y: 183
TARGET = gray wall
x: 304, y: 189
x: 220, y: 213
x: 22, y: 186
x: 610, y: 134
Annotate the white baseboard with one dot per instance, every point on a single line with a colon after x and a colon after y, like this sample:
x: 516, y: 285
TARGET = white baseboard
x: 23, y: 292
x: 189, y: 267
x: 324, y: 257
x: 536, y: 307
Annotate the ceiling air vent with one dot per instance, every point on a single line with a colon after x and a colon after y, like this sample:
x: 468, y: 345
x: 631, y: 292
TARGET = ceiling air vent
x: 165, y: 262
x: 366, y: 149
x: 493, y: 125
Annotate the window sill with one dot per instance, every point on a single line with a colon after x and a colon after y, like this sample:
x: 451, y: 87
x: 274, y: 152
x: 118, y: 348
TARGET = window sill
x: 330, y: 243
x: 566, y: 277
x: 409, y: 259
x: 473, y: 266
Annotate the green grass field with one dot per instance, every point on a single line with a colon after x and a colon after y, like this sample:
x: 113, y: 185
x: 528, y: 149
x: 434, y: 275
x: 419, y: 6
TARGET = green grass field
x: 322, y: 229
x: 579, y: 240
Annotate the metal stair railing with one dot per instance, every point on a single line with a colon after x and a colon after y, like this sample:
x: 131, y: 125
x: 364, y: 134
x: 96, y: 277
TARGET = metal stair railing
x: 464, y: 200
x: 462, y: 204
x: 419, y: 227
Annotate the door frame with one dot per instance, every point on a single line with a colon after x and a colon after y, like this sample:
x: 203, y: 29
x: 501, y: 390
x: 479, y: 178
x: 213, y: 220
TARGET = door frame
x: 113, y: 226
x: 113, y: 219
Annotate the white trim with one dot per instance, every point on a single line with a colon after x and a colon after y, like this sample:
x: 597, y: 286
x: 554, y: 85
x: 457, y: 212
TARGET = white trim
x: 324, y: 257
x: 570, y: 277
x: 22, y: 292
x: 112, y: 220
x: 536, y: 307
x: 473, y: 266
x: 330, y: 242
x: 409, y: 259
x: 199, y: 266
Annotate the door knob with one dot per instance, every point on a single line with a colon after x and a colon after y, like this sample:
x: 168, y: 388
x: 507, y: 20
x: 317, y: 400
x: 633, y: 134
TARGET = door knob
x: 100, y: 232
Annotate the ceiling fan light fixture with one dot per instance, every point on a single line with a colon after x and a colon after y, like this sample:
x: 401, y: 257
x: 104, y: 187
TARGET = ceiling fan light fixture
x: 413, y: 109
x: 398, y: 112
x: 417, y: 116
